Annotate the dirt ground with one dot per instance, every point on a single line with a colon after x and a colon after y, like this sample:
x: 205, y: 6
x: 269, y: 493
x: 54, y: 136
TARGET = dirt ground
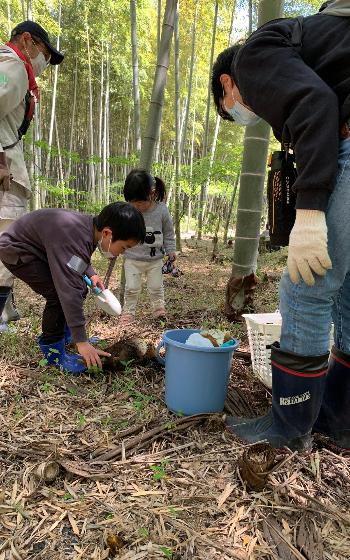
x: 96, y: 467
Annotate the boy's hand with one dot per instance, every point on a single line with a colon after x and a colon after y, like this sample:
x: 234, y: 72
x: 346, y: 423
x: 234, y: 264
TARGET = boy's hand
x: 97, y: 282
x: 91, y: 354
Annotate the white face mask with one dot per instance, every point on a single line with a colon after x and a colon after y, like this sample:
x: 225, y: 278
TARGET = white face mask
x: 107, y: 254
x: 242, y: 115
x: 39, y: 64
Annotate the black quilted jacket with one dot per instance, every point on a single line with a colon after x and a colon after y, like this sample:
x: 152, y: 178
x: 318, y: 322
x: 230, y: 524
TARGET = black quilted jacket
x: 303, y: 92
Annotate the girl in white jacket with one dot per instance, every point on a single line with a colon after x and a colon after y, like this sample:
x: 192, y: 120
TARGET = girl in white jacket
x: 147, y: 193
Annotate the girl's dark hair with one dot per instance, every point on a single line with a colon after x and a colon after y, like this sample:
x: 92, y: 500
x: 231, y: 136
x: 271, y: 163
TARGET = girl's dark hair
x: 140, y: 185
x: 222, y: 65
x: 124, y: 220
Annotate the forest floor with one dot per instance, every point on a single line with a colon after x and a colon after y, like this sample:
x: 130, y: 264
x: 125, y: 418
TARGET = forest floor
x: 130, y: 480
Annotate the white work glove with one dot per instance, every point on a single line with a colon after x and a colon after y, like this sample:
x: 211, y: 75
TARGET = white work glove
x: 307, y: 253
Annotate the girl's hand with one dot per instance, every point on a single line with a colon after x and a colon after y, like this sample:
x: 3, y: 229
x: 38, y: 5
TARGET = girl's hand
x: 97, y: 282
x: 172, y: 256
x: 91, y: 354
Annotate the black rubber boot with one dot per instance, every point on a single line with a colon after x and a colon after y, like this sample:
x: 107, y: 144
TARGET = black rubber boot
x: 334, y: 417
x: 4, y: 293
x: 297, y: 391
x: 10, y: 312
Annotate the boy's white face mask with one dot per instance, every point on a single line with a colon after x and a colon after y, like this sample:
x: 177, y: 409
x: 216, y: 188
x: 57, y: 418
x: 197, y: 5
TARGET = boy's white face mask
x: 107, y: 254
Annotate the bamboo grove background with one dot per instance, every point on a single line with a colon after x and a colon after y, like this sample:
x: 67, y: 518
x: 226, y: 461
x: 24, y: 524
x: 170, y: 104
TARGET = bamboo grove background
x: 89, y: 127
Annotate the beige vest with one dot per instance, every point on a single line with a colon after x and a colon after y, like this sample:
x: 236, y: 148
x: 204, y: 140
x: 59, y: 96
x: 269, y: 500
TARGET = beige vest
x: 337, y: 8
x: 13, y: 88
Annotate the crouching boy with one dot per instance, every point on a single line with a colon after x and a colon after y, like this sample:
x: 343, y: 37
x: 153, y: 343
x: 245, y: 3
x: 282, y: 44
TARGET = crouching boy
x: 37, y: 247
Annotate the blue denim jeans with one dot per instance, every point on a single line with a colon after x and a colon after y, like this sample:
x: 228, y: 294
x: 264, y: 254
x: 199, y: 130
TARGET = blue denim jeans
x: 307, y: 311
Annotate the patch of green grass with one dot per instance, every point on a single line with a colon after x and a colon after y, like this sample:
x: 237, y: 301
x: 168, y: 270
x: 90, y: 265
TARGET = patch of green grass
x: 143, y: 532
x: 81, y: 419
x: 46, y: 387
x: 18, y: 413
x: 10, y: 343
x: 43, y: 362
x: 94, y: 370
x: 167, y: 552
x: 173, y: 511
x: 106, y: 421
x: 139, y: 400
x: 159, y: 471
x: 276, y: 260
x: 120, y: 424
x: 127, y: 365
x: 103, y: 344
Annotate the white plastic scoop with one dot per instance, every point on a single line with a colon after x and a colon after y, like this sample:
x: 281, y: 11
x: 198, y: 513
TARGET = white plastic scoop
x: 105, y: 299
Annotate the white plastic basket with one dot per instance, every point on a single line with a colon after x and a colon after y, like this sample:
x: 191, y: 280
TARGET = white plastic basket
x: 263, y: 330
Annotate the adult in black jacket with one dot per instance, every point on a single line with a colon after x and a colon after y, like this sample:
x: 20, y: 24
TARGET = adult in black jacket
x: 296, y: 76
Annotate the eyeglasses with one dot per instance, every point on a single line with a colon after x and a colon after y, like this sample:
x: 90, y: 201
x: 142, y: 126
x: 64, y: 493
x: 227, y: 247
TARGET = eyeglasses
x: 44, y: 50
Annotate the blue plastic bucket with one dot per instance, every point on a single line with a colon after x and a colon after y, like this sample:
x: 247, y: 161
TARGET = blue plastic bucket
x: 196, y: 378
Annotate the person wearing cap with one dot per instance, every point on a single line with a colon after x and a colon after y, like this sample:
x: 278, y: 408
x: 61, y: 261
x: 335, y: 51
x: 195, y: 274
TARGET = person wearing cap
x: 22, y: 60
x: 294, y: 73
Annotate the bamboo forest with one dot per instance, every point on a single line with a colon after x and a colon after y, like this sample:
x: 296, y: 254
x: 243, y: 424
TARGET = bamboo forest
x: 174, y: 315
x: 90, y: 126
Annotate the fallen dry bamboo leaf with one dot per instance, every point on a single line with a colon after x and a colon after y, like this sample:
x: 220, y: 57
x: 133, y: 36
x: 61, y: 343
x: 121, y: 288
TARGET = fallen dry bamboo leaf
x: 286, y: 549
x: 148, y: 493
x: 225, y: 494
x: 16, y: 555
x: 309, y: 539
x: 73, y: 523
x: 203, y: 538
x: 83, y: 470
x: 57, y: 522
x: 326, y: 508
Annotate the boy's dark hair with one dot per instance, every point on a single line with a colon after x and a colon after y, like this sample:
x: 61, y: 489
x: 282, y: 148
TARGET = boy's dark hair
x: 141, y: 185
x: 222, y: 65
x: 124, y: 220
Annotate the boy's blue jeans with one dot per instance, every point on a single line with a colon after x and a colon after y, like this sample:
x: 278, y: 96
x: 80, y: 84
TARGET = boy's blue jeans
x: 307, y: 311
